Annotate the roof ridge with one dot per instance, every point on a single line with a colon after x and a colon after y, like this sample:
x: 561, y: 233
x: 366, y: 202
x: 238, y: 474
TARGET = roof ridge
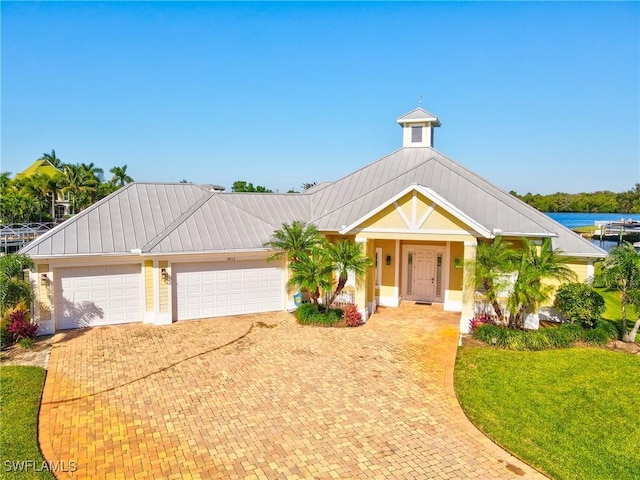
x: 70, y: 221
x: 252, y: 213
x: 380, y: 185
x: 177, y: 222
x: 474, y: 176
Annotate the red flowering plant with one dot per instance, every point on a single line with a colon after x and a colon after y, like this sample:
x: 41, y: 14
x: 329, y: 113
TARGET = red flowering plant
x: 352, y: 317
x: 478, y: 320
x: 20, y: 326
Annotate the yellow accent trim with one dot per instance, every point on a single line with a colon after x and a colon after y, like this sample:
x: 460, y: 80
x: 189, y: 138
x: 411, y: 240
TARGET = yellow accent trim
x: 148, y: 285
x: 164, y: 288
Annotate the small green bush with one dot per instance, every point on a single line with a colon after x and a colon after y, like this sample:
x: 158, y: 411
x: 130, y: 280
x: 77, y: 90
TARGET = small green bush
x: 580, y: 303
x: 563, y: 336
x: 309, y: 314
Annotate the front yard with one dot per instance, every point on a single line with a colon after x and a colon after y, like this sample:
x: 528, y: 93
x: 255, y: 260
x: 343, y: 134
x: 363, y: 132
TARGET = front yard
x: 572, y: 413
x: 20, y: 391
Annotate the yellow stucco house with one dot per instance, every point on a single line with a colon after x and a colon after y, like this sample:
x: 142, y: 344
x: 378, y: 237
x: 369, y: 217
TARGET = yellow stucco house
x: 45, y: 167
x: 160, y: 253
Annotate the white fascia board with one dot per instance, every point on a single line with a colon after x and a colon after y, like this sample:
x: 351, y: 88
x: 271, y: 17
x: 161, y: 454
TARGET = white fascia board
x: 378, y: 209
x: 437, y: 199
x: 208, y: 252
x: 440, y: 201
x: 529, y: 234
x: 62, y: 256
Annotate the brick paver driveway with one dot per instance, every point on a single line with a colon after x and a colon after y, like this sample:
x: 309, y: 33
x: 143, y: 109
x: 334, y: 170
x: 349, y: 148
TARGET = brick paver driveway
x: 262, y: 397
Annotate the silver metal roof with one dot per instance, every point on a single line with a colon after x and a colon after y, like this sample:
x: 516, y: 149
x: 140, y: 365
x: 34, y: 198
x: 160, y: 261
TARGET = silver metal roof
x: 125, y: 220
x: 418, y: 114
x: 212, y: 225
x: 273, y: 208
x: 182, y: 218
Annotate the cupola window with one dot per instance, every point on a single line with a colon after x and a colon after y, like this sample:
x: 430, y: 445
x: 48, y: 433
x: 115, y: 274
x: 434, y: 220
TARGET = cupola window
x: 416, y: 134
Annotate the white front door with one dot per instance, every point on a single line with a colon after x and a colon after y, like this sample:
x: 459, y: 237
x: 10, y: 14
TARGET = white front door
x: 424, y: 270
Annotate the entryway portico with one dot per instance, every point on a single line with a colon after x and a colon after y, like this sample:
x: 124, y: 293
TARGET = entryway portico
x: 420, y: 245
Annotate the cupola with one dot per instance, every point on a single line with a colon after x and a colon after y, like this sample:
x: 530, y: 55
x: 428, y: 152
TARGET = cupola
x: 417, y: 128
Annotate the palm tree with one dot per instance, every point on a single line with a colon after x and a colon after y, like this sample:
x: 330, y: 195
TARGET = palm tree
x: 77, y: 183
x: 494, y: 261
x: 312, y: 271
x: 621, y: 270
x: 53, y: 159
x: 5, y: 182
x: 39, y: 187
x: 534, y: 267
x: 293, y: 240
x: 347, y: 256
x: 120, y: 176
x: 13, y: 288
x: 94, y: 171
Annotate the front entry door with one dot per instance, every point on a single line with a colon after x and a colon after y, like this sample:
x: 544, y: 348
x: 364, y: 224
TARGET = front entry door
x: 424, y: 274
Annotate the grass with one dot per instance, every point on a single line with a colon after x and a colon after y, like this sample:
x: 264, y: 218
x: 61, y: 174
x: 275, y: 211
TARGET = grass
x: 612, y: 309
x: 20, y: 392
x: 572, y: 413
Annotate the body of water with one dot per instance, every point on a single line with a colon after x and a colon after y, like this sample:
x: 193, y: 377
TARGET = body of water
x: 572, y: 220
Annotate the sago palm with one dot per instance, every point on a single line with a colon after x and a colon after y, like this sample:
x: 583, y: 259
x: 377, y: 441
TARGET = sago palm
x: 312, y: 271
x: 294, y: 240
x: 534, y: 267
x: 493, y: 262
x: 346, y: 257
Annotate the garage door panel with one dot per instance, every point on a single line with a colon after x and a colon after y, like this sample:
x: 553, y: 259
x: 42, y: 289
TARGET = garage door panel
x: 99, y: 295
x: 217, y: 289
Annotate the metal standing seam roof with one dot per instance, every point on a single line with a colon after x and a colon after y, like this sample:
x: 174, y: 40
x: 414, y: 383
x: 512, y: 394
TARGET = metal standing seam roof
x: 182, y: 218
x: 125, y: 220
x: 419, y: 114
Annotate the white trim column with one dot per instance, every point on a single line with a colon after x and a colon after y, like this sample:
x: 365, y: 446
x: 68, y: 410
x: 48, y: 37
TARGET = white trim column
x: 468, y: 292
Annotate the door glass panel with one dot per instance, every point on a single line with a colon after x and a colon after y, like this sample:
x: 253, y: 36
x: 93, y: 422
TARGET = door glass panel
x: 410, y: 274
x: 439, y: 275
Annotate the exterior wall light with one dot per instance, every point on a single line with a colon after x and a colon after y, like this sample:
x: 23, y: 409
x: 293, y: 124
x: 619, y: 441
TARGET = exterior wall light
x: 165, y: 275
x: 388, y: 259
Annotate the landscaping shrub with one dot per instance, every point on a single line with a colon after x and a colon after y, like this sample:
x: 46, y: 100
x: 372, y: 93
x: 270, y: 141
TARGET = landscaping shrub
x: 563, y: 336
x: 478, y: 321
x: 20, y: 327
x: 580, y: 303
x: 309, y: 314
x: 352, y: 316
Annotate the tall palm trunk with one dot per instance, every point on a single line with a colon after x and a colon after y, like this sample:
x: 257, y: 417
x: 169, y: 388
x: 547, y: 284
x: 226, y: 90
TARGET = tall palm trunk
x: 494, y: 301
x: 631, y: 337
x: 341, y: 283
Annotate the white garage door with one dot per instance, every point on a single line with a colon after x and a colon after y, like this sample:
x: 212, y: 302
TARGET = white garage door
x: 101, y: 295
x: 217, y: 289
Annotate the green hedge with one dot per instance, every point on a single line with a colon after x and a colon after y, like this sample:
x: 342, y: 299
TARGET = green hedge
x: 309, y: 314
x: 563, y: 336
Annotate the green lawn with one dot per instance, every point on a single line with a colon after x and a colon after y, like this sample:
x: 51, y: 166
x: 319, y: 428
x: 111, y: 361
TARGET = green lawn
x: 572, y: 413
x: 20, y: 392
x: 613, y: 312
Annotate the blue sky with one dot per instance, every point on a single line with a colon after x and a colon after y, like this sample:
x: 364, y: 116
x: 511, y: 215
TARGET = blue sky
x: 538, y: 97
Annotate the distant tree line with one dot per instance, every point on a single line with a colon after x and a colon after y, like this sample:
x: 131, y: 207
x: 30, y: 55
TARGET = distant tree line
x: 39, y: 197
x: 244, y: 186
x: 593, y: 202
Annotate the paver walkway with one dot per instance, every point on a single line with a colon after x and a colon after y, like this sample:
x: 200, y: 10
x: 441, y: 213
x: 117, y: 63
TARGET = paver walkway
x: 190, y: 400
